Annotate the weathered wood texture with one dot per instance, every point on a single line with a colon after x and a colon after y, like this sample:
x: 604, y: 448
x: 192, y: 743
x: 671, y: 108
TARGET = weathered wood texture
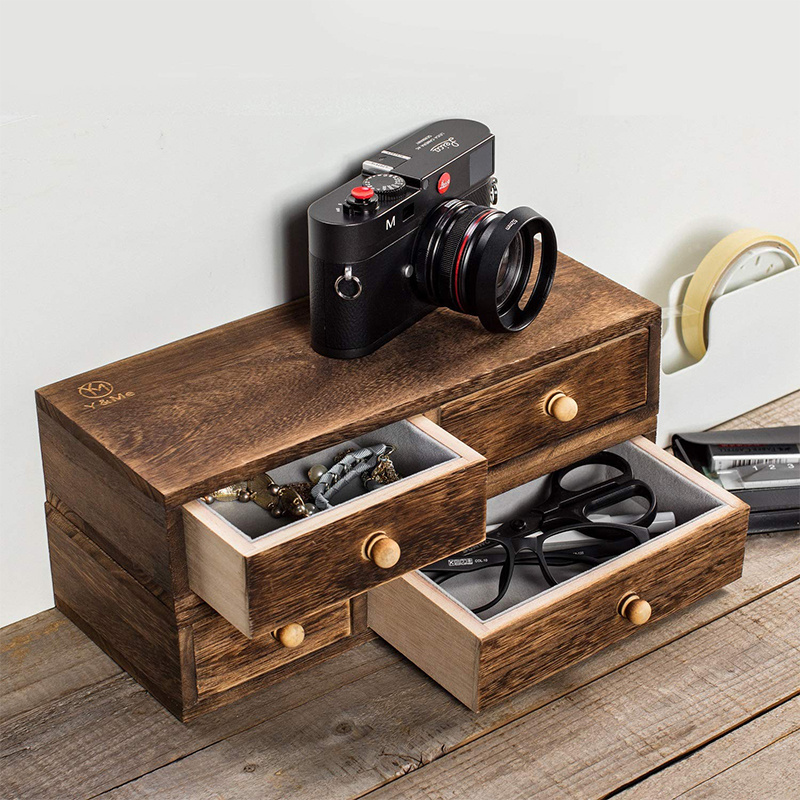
x: 124, y: 446
x: 225, y: 657
x: 561, y: 452
x: 509, y: 418
x: 482, y: 663
x: 707, y: 772
x: 112, y: 732
x: 78, y: 742
x: 227, y: 403
x: 171, y: 662
x: 613, y: 731
x: 129, y: 526
x: 46, y: 657
x: 772, y: 772
x: 321, y: 560
x: 265, y: 675
x: 126, y: 620
x: 565, y: 631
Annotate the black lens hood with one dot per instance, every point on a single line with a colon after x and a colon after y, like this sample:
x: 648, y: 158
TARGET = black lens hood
x: 526, y: 222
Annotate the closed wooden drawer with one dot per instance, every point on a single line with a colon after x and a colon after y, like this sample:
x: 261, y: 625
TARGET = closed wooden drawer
x: 482, y: 661
x: 273, y: 576
x: 224, y: 657
x: 519, y: 415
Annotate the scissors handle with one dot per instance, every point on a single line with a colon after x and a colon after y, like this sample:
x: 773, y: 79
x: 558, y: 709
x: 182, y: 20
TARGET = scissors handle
x: 576, y: 505
x: 629, y: 490
x: 603, y: 458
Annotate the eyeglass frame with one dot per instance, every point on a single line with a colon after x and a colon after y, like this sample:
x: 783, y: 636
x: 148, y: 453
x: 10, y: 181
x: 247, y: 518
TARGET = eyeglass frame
x: 532, y: 541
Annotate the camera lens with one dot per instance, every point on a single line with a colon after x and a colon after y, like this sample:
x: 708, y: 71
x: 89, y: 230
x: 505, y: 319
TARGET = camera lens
x: 508, y: 276
x: 480, y: 261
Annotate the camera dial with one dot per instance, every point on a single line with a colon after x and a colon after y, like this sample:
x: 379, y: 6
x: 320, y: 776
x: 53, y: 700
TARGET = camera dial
x: 386, y: 186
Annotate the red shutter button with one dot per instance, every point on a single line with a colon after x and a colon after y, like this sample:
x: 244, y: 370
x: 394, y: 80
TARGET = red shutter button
x: 362, y: 192
x: 444, y: 182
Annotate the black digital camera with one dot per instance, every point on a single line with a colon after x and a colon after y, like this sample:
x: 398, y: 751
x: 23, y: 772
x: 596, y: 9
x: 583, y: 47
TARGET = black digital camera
x: 417, y: 230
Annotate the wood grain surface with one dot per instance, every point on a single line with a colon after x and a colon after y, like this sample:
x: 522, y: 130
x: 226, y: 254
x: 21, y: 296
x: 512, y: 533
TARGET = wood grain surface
x: 750, y: 657
x: 509, y: 418
x: 484, y: 662
x: 128, y: 525
x: 199, y: 413
x: 137, y: 630
x: 321, y: 561
x: 707, y: 772
x: 569, y: 628
x: 431, y: 630
x: 560, y: 452
x: 440, y: 518
x: 124, y: 446
x: 315, y: 734
x: 225, y: 657
x: 260, y: 584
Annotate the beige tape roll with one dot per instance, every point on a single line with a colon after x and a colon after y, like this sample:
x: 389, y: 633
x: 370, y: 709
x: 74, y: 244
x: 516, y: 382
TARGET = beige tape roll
x: 713, y: 270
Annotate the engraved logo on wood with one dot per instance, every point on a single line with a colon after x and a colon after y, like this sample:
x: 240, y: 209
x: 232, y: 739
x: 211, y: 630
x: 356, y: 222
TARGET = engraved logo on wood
x: 95, y: 389
x: 100, y: 394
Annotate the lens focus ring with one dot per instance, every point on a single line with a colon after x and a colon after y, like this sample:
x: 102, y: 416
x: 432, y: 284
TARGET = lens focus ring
x: 480, y: 261
x: 459, y: 242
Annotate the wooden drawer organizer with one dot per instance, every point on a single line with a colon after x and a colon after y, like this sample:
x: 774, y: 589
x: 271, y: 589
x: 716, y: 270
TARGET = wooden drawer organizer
x: 202, y: 614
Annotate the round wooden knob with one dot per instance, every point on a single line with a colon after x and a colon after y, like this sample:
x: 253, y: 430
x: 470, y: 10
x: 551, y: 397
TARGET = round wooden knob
x: 634, y: 609
x: 382, y: 551
x: 291, y: 635
x: 562, y: 407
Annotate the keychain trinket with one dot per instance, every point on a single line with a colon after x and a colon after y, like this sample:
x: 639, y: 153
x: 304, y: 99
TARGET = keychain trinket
x: 290, y: 500
x: 382, y: 473
x: 299, y: 500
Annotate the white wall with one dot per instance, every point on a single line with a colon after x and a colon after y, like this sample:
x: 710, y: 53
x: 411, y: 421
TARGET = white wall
x: 157, y: 159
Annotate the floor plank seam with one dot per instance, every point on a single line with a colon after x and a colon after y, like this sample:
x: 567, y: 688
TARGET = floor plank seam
x: 413, y: 764
x: 740, y: 761
x: 56, y: 702
x: 421, y: 763
x: 206, y: 746
x: 688, y: 753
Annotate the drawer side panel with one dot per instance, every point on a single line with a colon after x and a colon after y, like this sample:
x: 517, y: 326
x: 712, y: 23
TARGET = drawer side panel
x: 413, y: 620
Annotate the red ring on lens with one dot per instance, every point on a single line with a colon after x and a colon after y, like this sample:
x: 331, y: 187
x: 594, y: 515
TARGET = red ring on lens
x: 467, y: 234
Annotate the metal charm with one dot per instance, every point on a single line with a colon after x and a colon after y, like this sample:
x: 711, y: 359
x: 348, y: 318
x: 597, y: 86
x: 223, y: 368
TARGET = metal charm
x: 291, y: 500
x: 347, y: 277
x: 382, y: 473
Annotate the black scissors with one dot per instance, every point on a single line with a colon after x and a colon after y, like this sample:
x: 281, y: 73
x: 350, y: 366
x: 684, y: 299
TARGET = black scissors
x: 562, y: 511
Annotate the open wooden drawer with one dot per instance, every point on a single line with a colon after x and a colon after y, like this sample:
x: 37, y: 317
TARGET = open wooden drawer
x: 537, y: 631
x: 261, y: 573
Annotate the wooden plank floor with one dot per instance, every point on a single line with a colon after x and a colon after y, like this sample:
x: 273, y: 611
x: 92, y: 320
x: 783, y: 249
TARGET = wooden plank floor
x: 702, y: 704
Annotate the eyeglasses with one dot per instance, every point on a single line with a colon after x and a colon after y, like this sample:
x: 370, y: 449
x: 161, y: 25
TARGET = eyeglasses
x: 546, y: 536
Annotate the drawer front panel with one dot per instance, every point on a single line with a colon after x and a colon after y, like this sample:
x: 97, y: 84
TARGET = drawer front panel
x: 302, y: 575
x: 569, y: 628
x: 224, y: 657
x: 510, y: 418
x: 325, y: 559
